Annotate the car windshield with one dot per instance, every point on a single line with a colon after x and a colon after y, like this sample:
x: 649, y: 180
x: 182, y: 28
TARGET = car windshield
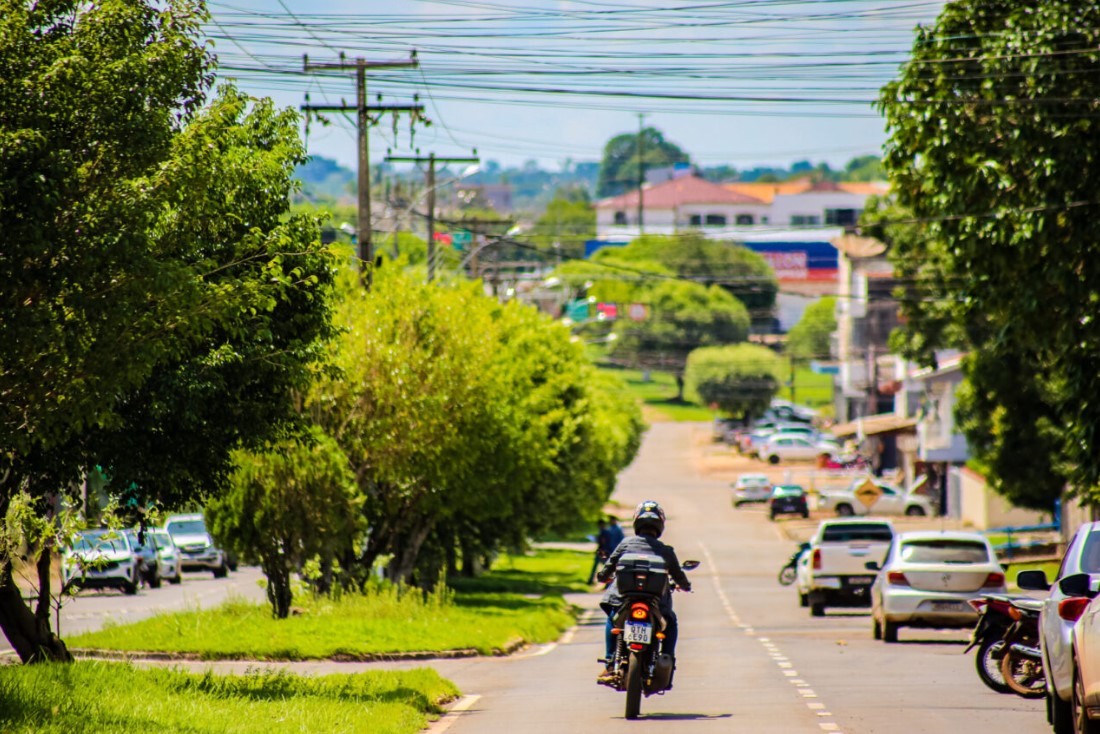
x: 857, y: 531
x: 788, y: 491
x: 162, y: 538
x: 186, y: 527
x: 943, y: 551
x: 753, y: 480
x: 98, y: 542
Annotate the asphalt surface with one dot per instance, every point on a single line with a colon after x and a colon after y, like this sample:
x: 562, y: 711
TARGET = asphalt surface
x: 750, y: 659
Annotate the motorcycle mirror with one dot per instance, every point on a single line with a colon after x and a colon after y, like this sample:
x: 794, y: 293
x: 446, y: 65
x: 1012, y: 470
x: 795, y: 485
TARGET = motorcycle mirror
x: 1033, y: 581
x: 872, y: 566
x: 1076, y: 584
x: 689, y: 565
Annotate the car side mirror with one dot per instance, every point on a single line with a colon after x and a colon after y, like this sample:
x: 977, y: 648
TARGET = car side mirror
x: 689, y: 565
x: 872, y: 566
x: 1077, y: 584
x: 1037, y: 581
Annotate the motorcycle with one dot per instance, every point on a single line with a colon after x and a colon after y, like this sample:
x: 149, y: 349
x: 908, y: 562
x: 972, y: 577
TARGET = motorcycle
x: 988, y: 636
x: 639, y: 665
x: 789, y: 573
x: 1022, y: 663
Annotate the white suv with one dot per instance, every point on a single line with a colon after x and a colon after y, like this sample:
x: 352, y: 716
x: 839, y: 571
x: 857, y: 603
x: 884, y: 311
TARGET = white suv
x: 197, y: 551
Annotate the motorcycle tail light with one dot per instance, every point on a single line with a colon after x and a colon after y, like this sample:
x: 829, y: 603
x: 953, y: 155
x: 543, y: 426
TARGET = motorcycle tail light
x: 817, y: 559
x: 994, y: 580
x: 897, y: 578
x: 616, y: 630
x: 660, y: 635
x: 639, y: 611
x: 636, y: 647
x: 1071, y: 609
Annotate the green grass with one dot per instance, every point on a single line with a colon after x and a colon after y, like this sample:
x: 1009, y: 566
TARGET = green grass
x: 100, y: 696
x: 810, y: 388
x: 519, y: 601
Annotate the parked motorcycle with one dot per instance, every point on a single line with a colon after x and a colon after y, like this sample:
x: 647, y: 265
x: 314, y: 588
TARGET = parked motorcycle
x: 1022, y: 663
x: 789, y: 573
x: 640, y: 665
x: 988, y: 635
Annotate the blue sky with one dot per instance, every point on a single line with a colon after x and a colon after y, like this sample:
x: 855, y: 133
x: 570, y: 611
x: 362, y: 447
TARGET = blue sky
x: 742, y: 82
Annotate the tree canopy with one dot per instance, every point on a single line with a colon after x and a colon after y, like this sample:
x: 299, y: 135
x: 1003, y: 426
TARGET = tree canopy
x: 738, y: 380
x: 810, y: 337
x: 992, y: 147
x: 619, y: 168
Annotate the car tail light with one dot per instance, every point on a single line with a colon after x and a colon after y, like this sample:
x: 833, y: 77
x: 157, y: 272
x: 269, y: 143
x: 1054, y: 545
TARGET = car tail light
x: 994, y: 580
x: 897, y: 578
x: 639, y: 611
x: 817, y: 559
x: 978, y: 604
x: 1071, y: 609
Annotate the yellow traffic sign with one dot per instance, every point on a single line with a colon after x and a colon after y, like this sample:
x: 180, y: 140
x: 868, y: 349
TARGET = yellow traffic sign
x: 868, y: 493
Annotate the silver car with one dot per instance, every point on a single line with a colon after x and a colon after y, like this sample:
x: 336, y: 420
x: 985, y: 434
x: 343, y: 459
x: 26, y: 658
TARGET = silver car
x: 100, y: 559
x: 751, y: 488
x: 1056, y: 633
x: 927, y: 579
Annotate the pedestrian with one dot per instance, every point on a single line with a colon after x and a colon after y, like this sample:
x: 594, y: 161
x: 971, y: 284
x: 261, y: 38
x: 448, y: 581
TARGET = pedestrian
x: 602, y: 549
x: 615, y: 531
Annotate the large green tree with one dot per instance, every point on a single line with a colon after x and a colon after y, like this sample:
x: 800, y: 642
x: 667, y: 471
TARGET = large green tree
x: 160, y: 306
x: 739, y: 380
x: 810, y: 337
x: 619, y: 168
x: 992, y: 148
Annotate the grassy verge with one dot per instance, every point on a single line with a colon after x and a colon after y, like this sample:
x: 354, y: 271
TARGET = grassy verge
x: 518, y: 601
x: 99, y: 696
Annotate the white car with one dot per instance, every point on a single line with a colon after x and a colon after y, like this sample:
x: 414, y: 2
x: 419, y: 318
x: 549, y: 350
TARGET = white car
x: 866, y: 495
x: 927, y: 579
x: 101, y: 559
x: 794, y: 447
x: 168, y: 556
x: 197, y: 549
x: 751, y: 488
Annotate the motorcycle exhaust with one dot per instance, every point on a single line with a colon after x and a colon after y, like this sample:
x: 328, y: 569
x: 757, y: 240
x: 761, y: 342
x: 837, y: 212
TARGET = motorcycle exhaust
x: 1027, y: 651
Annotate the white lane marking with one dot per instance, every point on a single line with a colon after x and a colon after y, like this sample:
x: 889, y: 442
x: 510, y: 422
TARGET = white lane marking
x: 453, y: 714
x: 816, y: 706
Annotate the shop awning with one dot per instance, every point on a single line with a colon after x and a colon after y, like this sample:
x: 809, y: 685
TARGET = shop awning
x: 875, y: 424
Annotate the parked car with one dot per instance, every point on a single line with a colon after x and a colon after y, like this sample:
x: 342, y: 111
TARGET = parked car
x: 793, y: 447
x: 833, y: 572
x: 724, y: 427
x: 750, y: 442
x: 751, y: 488
x: 150, y: 565
x: 927, y: 580
x: 101, y: 559
x: 1080, y: 608
x: 1082, y: 556
x: 868, y: 495
x: 197, y: 549
x: 169, y: 555
x: 788, y: 499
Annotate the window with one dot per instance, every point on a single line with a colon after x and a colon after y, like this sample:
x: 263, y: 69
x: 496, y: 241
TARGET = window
x: 856, y: 531
x: 744, y: 219
x: 695, y: 220
x: 716, y: 220
x: 842, y: 217
x: 944, y: 551
x: 620, y: 217
x: 803, y: 220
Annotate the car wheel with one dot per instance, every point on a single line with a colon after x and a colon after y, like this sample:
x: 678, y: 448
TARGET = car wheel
x: 876, y: 629
x: 805, y: 514
x: 773, y: 459
x: 1082, y: 723
x: 130, y: 587
x: 889, y: 631
x: 803, y: 600
x: 1060, y: 714
x: 817, y: 609
x: 177, y: 578
x: 738, y: 503
x: 154, y: 579
x: 221, y: 571
x: 844, y: 510
x: 914, y: 511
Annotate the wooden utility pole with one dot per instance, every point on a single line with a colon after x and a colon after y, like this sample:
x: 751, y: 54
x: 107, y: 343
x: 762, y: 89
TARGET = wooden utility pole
x: 640, y: 151
x: 363, y: 122
x: 431, y: 159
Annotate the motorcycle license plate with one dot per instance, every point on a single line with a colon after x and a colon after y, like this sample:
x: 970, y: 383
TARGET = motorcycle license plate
x: 639, y: 633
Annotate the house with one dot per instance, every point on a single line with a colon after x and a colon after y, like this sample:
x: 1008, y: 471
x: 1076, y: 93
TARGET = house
x: 676, y: 204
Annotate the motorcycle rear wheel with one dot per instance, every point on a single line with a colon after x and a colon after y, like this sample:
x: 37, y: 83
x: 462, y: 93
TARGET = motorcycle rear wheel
x: 788, y: 575
x: 1023, y: 675
x: 989, y: 668
x: 633, y: 686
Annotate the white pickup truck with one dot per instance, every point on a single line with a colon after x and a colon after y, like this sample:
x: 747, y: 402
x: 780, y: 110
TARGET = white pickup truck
x: 833, y: 571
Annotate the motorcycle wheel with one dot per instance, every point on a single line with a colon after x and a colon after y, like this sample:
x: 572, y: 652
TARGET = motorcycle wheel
x: 989, y: 668
x: 633, y: 686
x: 787, y: 575
x: 1023, y: 675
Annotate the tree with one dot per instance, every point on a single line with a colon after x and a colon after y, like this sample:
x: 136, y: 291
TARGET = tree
x: 681, y: 317
x: 810, y: 337
x: 619, y: 169
x: 569, y: 221
x: 161, y: 306
x: 864, y: 168
x: 739, y: 380
x: 293, y: 503
x: 992, y: 147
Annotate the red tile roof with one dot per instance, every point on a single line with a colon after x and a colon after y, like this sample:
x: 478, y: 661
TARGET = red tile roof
x: 678, y: 192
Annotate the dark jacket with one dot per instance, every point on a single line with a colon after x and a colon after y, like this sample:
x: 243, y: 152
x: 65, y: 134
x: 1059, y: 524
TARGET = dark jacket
x: 642, y: 544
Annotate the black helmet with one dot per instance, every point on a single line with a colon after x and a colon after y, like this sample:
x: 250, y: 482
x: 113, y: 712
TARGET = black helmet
x: 649, y: 517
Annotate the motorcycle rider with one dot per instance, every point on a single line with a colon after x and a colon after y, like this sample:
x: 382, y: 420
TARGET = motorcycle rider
x: 649, y: 524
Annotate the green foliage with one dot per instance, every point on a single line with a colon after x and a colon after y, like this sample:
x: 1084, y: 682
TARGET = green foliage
x: 619, y: 169
x: 569, y: 220
x: 293, y: 502
x: 810, y: 337
x: 998, y: 174
x: 740, y: 380
x: 864, y: 168
x: 101, y: 696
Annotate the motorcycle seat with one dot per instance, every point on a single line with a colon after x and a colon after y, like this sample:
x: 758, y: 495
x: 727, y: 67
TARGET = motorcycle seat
x: 1028, y: 604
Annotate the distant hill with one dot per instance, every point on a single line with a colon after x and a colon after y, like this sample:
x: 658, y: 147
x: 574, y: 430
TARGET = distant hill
x: 325, y: 178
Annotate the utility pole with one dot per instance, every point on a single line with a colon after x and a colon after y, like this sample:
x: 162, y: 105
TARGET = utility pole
x: 363, y: 121
x: 431, y: 160
x: 641, y: 173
